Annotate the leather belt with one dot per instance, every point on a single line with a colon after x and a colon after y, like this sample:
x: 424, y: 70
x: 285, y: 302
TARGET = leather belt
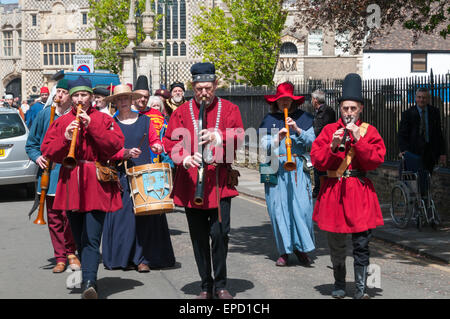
x: 347, y: 173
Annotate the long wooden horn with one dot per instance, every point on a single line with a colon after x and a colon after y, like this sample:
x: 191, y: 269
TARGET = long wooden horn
x: 70, y: 161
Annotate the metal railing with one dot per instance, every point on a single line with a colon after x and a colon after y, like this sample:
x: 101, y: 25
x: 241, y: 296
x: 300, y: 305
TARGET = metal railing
x: 385, y: 100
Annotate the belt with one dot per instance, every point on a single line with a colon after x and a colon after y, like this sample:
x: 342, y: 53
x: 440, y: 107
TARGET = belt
x: 347, y: 173
x: 86, y: 162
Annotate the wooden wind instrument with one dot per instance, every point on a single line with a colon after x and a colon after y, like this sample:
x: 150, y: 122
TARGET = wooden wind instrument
x: 70, y: 161
x: 290, y: 164
x: 200, y: 187
x: 45, y: 177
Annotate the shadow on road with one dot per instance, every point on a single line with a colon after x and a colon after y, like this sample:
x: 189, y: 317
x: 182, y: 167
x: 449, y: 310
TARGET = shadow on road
x: 235, y: 286
x: 112, y: 285
x: 16, y: 193
x: 326, y: 289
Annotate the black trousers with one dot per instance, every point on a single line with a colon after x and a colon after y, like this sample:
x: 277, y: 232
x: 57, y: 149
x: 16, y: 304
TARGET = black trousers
x: 203, y: 225
x: 87, y: 231
x: 360, y: 241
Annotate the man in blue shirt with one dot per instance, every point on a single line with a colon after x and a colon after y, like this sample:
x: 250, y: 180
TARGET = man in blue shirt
x: 37, y: 107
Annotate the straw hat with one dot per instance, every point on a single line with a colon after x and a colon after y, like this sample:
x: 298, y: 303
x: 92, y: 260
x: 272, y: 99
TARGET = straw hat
x: 120, y: 90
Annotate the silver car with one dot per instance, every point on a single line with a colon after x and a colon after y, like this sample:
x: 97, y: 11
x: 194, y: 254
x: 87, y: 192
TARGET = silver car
x: 15, y: 166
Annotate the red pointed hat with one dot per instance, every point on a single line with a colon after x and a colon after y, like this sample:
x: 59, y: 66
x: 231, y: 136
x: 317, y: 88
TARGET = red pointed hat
x: 285, y: 89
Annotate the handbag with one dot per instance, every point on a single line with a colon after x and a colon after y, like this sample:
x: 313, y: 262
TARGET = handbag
x: 268, y: 175
x: 307, y: 164
x: 105, y: 173
x: 233, y: 177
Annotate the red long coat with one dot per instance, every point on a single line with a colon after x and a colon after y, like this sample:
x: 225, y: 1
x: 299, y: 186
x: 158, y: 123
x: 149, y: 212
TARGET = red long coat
x: 180, y: 141
x: 78, y: 189
x: 347, y: 205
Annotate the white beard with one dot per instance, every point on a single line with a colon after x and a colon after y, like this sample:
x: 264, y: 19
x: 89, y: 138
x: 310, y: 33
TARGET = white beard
x: 177, y: 99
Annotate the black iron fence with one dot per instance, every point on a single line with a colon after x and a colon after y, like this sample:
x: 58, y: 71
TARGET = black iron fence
x: 385, y: 100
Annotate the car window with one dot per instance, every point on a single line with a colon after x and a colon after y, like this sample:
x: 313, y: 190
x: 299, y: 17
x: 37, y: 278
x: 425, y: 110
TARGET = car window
x: 11, y: 125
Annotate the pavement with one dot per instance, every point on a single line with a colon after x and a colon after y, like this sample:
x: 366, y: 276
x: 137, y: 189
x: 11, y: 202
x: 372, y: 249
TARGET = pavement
x: 429, y: 243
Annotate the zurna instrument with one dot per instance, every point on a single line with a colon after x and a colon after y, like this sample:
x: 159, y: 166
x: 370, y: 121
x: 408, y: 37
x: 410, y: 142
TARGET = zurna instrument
x: 70, y: 161
x: 289, y: 165
x: 45, y: 177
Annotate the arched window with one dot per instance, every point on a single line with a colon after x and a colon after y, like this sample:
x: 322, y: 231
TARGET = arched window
x: 175, y: 49
x: 288, y: 48
x: 183, y: 49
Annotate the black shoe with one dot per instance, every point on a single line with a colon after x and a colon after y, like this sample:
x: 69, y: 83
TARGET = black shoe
x: 89, y: 289
x: 339, y: 273
x: 303, y: 258
x: 360, y: 282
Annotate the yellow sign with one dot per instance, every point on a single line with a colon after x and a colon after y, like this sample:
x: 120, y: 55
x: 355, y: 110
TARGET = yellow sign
x: 2, y: 152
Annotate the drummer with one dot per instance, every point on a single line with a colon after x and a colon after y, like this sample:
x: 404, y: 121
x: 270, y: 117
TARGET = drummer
x: 131, y: 242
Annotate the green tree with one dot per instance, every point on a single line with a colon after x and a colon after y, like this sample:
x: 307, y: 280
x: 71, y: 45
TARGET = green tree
x: 369, y: 19
x: 244, y: 41
x: 108, y: 18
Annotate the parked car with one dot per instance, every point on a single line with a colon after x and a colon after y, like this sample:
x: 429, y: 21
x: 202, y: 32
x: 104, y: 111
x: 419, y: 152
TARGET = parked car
x: 15, y: 166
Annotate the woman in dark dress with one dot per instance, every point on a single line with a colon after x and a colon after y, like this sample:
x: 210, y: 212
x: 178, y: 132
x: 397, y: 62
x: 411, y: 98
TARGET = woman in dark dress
x: 129, y: 240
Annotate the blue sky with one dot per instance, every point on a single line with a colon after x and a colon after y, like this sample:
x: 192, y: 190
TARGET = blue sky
x: 8, y: 1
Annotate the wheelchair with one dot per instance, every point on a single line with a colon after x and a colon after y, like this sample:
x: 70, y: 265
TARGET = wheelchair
x: 411, y: 199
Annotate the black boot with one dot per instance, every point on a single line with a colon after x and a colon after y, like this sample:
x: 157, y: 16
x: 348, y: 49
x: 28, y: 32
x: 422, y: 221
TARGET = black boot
x: 339, y: 273
x: 89, y: 289
x: 360, y: 282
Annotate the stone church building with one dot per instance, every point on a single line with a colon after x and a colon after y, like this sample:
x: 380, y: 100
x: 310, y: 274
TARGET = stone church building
x: 40, y: 37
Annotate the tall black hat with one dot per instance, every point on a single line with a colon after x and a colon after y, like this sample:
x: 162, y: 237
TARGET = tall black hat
x: 142, y: 83
x: 352, y: 88
x: 203, y: 72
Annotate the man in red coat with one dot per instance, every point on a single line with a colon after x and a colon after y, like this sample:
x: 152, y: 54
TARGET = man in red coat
x: 223, y: 135
x: 85, y: 199
x: 347, y: 202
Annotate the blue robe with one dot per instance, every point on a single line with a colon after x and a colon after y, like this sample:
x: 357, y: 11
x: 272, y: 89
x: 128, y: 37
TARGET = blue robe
x: 289, y: 202
x: 38, y: 129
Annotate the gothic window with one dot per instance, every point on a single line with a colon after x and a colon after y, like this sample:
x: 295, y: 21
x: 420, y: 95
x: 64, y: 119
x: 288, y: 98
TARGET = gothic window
x: 183, y: 49
x: 175, y: 19
x: 19, y: 42
x: 175, y: 49
x: 182, y: 19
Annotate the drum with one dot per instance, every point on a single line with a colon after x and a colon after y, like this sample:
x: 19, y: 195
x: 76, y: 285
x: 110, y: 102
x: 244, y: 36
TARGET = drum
x: 151, y: 185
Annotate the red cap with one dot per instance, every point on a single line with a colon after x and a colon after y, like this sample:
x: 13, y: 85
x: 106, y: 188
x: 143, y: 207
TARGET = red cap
x: 44, y: 89
x: 130, y: 85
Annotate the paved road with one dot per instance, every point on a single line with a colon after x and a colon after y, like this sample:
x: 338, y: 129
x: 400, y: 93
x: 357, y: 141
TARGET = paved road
x: 26, y: 262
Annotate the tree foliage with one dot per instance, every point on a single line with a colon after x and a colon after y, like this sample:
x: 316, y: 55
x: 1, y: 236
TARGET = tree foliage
x: 244, y: 41
x: 108, y: 18
x: 361, y: 17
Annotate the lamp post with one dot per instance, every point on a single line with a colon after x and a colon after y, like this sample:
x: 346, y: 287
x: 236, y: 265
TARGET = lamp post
x: 166, y: 4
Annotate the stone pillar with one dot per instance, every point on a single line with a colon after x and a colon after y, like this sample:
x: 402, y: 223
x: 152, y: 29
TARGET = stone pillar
x: 128, y: 54
x: 148, y: 52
